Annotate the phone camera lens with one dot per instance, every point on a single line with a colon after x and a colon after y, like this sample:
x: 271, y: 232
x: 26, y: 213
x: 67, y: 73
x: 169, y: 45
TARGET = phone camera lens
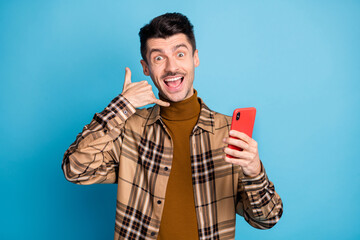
x: 238, y: 116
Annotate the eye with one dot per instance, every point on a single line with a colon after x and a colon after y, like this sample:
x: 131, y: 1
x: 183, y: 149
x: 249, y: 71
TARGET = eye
x: 181, y: 54
x: 158, y: 58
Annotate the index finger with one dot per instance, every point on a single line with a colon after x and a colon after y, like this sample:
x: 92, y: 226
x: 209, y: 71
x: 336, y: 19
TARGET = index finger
x: 240, y: 135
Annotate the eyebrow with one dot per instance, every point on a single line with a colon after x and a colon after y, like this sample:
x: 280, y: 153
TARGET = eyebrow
x: 179, y: 46
x: 174, y: 49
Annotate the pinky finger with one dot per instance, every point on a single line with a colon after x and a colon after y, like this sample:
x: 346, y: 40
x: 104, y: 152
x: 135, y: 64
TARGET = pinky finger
x: 231, y: 160
x: 161, y: 103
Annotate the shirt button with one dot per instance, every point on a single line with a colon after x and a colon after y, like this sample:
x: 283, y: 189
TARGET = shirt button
x: 158, y: 202
x: 166, y: 168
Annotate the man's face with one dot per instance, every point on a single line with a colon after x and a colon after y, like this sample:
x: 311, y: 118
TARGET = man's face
x: 171, y: 65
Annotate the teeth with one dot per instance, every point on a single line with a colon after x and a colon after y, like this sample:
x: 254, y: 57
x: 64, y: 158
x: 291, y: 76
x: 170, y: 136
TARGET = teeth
x: 172, y: 79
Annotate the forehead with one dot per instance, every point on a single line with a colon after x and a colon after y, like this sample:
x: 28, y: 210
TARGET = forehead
x: 169, y: 43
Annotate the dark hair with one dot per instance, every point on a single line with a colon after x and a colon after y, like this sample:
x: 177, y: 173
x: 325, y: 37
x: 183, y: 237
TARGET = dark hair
x: 165, y: 26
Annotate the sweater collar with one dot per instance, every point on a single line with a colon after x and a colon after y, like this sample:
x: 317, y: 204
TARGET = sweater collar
x: 183, y: 110
x: 206, y: 120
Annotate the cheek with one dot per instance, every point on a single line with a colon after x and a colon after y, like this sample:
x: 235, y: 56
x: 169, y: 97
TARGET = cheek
x: 190, y: 69
x: 157, y: 69
x: 155, y: 77
x: 190, y: 64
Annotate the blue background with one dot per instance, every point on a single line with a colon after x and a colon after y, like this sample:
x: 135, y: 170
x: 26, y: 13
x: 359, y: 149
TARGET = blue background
x: 297, y: 62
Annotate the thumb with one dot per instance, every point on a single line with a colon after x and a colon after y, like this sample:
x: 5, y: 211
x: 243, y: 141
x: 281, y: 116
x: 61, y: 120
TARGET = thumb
x: 127, y: 80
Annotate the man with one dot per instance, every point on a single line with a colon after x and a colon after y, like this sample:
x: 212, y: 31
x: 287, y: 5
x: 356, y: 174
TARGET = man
x: 174, y: 179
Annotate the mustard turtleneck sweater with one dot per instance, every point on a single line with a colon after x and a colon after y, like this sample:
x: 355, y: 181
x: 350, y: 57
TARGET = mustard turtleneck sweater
x: 179, y: 219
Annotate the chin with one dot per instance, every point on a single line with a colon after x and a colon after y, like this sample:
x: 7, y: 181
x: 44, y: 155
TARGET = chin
x: 177, y: 97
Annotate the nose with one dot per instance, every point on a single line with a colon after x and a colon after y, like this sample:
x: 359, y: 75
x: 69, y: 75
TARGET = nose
x: 171, y: 65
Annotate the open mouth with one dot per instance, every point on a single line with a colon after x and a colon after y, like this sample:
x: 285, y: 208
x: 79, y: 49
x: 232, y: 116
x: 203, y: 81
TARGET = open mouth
x: 174, y: 82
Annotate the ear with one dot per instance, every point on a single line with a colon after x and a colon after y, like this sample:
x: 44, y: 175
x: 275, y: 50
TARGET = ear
x: 145, y: 67
x: 196, y: 58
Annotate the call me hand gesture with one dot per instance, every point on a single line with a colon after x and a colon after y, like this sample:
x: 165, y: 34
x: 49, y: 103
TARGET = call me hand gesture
x: 139, y: 94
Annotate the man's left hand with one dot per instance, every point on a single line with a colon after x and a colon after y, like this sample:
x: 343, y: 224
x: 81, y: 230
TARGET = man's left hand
x: 248, y: 158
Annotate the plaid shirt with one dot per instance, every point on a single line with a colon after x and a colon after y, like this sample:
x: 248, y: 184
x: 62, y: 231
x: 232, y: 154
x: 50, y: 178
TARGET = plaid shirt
x: 131, y: 147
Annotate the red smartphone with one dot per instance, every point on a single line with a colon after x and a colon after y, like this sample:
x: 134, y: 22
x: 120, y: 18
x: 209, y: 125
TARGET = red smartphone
x: 243, y: 120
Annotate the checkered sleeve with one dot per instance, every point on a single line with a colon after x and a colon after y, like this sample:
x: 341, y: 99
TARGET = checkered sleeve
x: 258, y: 202
x: 115, y: 113
x: 93, y: 157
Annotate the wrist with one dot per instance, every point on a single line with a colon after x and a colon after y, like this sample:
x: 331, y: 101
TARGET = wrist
x: 254, y: 172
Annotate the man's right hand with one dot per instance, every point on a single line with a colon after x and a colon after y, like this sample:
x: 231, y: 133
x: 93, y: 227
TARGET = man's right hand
x: 139, y: 94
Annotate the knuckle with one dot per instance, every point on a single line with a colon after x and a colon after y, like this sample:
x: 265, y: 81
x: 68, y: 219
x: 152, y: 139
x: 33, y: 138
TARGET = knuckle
x: 239, y: 143
x: 243, y: 145
x: 236, y: 153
